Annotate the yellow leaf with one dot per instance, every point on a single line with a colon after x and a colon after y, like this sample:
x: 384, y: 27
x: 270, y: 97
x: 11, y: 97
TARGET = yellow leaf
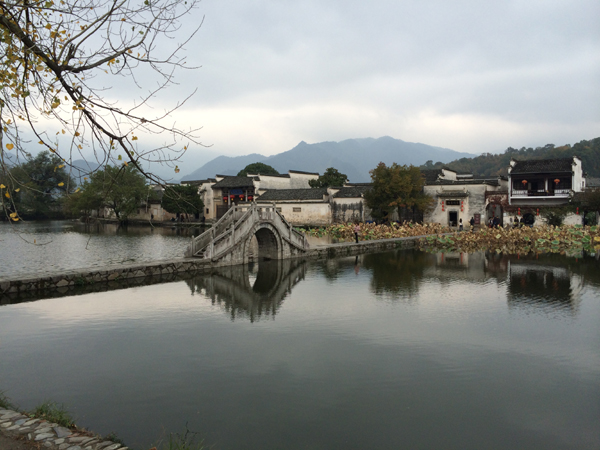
x: 2, y: 186
x: 61, y: 184
x: 77, y: 190
x: 10, y: 146
x: 15, y: 218
x: 134, y: 138
x: 77, y: 133
x: 7, y: 195
x: 17, y: 190
x: 41, y: 142
x: 120, y: 158
x: 176, y: 169
x: 13, y: 214
x: 48, y: 26
x: 63, y: 131
x: 61, y: 166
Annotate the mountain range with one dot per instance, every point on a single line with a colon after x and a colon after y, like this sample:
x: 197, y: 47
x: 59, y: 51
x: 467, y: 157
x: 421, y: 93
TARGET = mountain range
x: 353, y: 157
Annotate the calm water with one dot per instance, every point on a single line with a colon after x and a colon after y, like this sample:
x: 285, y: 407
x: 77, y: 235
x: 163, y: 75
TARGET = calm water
x: 31, y: 247
x: 392, y: 350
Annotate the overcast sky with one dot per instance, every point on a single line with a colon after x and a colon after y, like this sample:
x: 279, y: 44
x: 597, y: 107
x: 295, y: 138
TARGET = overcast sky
x: 475, y: 76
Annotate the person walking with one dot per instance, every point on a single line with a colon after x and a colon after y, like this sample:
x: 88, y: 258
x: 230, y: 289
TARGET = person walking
x: 356, y: 231
x: 472, y: 223
x: 460, y: 225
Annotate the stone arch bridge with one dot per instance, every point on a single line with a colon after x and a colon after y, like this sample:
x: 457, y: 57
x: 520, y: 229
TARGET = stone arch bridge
x: 229, y: 240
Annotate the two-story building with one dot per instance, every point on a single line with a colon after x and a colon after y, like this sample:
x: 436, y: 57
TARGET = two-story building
x: 544, y: 183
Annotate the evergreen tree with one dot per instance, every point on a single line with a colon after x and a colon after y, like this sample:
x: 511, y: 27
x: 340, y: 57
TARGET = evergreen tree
x: 331, y: 177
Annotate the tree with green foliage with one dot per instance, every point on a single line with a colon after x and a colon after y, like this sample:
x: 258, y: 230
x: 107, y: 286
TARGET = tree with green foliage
x: 396, y: 187
x: 257, y: 168
x: 331, y: 177
x: 182, y: 199
x: 36, y: 188
x: 492, y: 165
x: 123, y: 189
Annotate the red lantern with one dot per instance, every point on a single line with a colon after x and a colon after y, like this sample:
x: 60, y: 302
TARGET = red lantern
x: 556, y: 181
x: 578, y: 210
x: 518, y: 211
x: 442, y: 205
x: 538, y: 212
x: 524, y: 182
x: 461, y: 206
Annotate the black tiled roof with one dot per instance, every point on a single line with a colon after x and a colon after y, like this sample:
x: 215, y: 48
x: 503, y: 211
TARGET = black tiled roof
x: 351, y: 192
x: 488, y: 181
x: 233, y: 182
x: 542, y: 166
x: 293, y: 194
x: 281, y: 175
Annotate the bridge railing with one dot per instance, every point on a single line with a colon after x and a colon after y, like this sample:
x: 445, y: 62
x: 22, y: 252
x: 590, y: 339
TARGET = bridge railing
x: 200, y: 242
x: 295, y: 237
x: 234, y: 234
x: 236, y: 223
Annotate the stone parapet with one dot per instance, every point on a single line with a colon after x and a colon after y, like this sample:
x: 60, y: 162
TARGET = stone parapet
x: 126, y: 275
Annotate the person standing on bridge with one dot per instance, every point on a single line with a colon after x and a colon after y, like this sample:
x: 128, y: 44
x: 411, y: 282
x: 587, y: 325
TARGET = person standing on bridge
x: 356, y: 231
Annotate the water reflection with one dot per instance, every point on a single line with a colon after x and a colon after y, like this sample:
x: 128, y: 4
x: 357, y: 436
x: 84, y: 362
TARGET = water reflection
x: 398, y: 274
x: 251, y: 291
x: 545, y: 283
x: 543, y: 286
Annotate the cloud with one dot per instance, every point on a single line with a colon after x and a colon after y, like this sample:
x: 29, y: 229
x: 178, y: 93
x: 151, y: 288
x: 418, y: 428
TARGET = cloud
x: 474, y: 76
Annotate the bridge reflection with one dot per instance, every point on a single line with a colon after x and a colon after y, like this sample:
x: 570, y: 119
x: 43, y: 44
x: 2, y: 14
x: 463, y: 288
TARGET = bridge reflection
x: 250, y: 291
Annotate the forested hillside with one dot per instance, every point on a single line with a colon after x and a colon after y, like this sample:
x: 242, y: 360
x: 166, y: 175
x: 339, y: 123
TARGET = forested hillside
x: 490, y: 165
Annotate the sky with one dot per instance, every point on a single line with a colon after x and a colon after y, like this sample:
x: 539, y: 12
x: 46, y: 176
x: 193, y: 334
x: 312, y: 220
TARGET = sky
x: 475, y: 76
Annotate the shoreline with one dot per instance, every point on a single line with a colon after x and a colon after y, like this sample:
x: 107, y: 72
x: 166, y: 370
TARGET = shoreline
x: 20, y: 427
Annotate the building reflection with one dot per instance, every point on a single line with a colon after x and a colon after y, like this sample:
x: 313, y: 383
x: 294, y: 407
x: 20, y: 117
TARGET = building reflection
x: 251, y: 291
x: 543, y: 284
x: 397, y: 274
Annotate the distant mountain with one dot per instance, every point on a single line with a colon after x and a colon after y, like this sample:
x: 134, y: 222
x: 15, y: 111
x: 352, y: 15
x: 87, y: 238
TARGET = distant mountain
x: 354, y: 157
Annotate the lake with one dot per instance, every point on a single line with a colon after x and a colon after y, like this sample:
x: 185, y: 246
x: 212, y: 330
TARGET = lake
x: 402, y: 349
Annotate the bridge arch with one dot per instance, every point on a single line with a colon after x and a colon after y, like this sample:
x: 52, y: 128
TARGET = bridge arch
x: 228, y: 241
x: 270, y: 245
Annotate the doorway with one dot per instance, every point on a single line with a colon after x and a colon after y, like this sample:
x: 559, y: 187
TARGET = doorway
x: 453, y: 218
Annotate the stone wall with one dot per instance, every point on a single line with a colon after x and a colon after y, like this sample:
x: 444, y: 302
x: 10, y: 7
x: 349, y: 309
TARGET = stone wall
x: 121, y: 276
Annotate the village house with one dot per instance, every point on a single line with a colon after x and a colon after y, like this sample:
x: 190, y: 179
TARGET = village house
x: 223, y: 191
x: 545, y: 183
x: 319, y: 207
x: 461, y: 196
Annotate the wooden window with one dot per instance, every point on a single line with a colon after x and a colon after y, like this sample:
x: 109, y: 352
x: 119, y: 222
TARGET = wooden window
x: 296, y: 209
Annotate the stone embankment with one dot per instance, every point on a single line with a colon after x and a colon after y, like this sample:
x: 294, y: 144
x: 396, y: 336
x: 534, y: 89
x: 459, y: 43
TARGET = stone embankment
x: 50, y: 436
x: 66, y: 281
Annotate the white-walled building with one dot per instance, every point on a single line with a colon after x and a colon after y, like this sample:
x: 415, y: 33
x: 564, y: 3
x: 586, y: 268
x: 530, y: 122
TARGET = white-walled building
x: 461, y: 196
